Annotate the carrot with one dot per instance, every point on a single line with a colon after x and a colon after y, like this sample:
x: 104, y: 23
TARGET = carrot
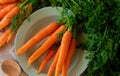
x: 7, y: 19
x: 38, y: 37
x: 47, y: 58
x: 3, y: 6
x: 7, y: 1
x: 4, y: 37
x: 53, y: 64
x: 11, y: 36
x: 69, y: 56
x: 5, y: 10
x: 46, y: 45
x: 63, y: 51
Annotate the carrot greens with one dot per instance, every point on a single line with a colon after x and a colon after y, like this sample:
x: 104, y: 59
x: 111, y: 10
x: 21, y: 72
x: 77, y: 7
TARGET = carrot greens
x: 101, y: 23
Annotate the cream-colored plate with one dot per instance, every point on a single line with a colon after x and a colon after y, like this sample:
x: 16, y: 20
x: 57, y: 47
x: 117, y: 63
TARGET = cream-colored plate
x: 38, y: 20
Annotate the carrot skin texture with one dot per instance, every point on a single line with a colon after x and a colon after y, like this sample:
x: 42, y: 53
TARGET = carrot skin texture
x: 4, y: 37
x: 7, y: 19
x: 46, y: 45
x: 53, y: 64
x: 38, y: 37
x: 47, y: 58
x: 5, y: 5
x: 65, y: 43
x: 7, y: 9
x: 69, y: 56
x: 7, y: 1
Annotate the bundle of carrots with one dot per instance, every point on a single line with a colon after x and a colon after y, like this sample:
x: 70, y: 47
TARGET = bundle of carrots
x: 60, y: 45
x: 8, y: 10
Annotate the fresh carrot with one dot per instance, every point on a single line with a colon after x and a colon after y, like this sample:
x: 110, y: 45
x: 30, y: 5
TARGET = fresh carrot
x: 4, y: 37
x: 3, y: 6
x: 38, y: 37
x: 7, y: 9
x: 46, y: 45
x: 11, y: 35
x: 47, y: 58
x: 7, y: 19
x: 7, y: 1
x: 65, y: 43
x: 53, y: 64
x: 69, y: 56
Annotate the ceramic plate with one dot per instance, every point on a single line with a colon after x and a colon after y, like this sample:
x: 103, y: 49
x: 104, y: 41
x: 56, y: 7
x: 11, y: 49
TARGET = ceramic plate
x: 38, y: 20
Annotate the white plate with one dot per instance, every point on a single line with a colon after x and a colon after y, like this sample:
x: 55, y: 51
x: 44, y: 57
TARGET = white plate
x: 40, y: 19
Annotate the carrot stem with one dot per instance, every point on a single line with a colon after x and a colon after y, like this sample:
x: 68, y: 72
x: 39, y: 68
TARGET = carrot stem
x: 22, y: 4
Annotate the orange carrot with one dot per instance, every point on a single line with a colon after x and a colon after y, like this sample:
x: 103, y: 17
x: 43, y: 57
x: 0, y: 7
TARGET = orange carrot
x: 11, y: 36
x: 69, y: 56
x: 46, y: 45
x: 53, y: 64
x: 65, y: 43
x: 5, y: 5
x: 4, y: 37
x: 38, y: 37
x: 7, y: 1
x: 2, y: 6
x: 7, y: 19
x: 5, y: 10
x: 47, y: 58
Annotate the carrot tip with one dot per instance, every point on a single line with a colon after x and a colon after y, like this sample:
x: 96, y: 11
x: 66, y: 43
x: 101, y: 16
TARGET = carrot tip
x: 8, y: 43
x: 29, y: 63
x: 38, y: 71
x: 17, y: 53
x: 28, y: 66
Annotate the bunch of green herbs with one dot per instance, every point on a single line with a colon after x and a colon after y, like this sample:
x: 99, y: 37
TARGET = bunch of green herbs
x: 101, y: 23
